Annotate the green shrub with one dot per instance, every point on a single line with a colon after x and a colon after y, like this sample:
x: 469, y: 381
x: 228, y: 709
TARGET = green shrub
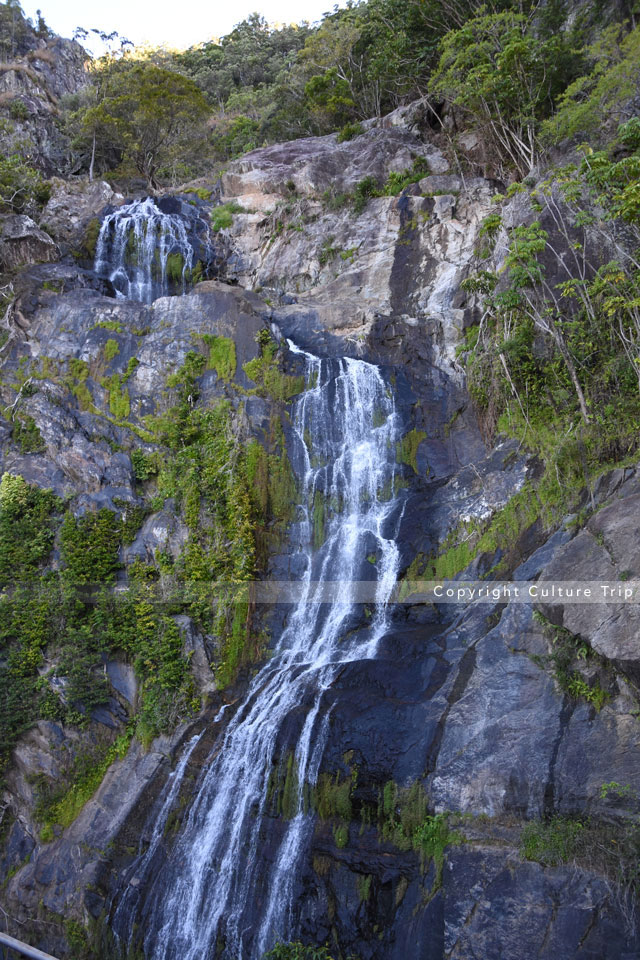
x: 27, y: 436
x: 349, y: 131
x: 119, y: 402
x: 203, y: 193
x: 144, y: 465
x: 407, y: 448
x: 27, y: 528
x: 567, y: 651
x: 222, y: 356
x: 364, y: 191
x: 174, y: 268
x: 588, y: 104
x: 18, y: 110
x: 89, y: 546
x: 222, y: 216
x: 266, y: 373
x: 111, y: 350
x: 63, y: 807
x: 22, y: 189
x: 551, y: 842
x: 397, y: 181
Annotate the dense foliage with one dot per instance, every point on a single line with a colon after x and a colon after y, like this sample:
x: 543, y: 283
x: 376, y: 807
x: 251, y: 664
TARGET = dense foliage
x: 508, y: 70
x: 499, y: 69
x: 143, y: 114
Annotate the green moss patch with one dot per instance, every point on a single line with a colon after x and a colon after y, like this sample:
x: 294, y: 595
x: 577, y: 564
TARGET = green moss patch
x: 222, y: 356
x: 407, y: 448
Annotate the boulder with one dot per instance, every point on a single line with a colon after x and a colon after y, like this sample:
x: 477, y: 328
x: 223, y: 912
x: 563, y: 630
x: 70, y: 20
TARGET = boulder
x: 73, y: 204
x: 22, y: 242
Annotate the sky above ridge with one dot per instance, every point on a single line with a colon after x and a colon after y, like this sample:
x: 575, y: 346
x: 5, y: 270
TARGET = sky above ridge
x: 177, y: 25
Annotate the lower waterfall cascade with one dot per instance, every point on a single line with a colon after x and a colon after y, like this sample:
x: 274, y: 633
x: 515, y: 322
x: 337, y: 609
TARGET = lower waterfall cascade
x: 209, y: 891
x: 134, y: 248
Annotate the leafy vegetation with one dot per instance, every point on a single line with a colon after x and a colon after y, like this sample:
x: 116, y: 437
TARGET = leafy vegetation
x: 58, y: 627
x: 138, y: 113
x: 514, y: 74
x: 407, y: 448
x: 27, y: 529
x: 61, y: 807
x: 597, y: 101
x: 555, y: 360
x: 222, y: 216
x: 222, y: 355
x: 553, y: 842
x: 568, y: 652
x: 504, y: 78
x: 27, y: 436
x: 297, y: 951
x: 608, y: 848
x: 266, y: 373
x: 401, y: 816
x: 22, y: 188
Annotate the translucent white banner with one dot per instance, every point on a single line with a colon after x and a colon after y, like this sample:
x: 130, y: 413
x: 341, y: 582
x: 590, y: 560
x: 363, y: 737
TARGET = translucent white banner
x: 369, y: 592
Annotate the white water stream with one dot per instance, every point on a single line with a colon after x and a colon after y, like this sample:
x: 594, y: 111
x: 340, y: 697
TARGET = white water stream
x: 345, y: 430
x: 133, y: 250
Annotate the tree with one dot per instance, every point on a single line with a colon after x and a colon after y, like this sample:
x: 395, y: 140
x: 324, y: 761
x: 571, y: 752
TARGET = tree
x: 252, y: 56
x: 594, y: 104
x: 503, y: 79
x: 147, y: 114
x: 22, y: 189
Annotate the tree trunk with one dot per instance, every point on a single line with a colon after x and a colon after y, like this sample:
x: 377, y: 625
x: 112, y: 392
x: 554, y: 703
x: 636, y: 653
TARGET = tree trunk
x: 566, y: 356
x: 93, y: 157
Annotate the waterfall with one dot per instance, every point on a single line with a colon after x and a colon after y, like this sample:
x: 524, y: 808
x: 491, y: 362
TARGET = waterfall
x: 144, y: 252
x: 210, y: 891
x: 154, y: 829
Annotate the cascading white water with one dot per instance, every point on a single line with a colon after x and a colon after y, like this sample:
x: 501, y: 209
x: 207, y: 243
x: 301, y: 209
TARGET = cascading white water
x: 134, y: 247
x: 206, y: 893
x: 154, y: 830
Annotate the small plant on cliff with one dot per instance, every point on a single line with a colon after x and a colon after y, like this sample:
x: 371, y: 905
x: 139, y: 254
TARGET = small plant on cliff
x: 553, y: 842
x: 297, y: 951
x: 349, y: 131
x: 222, y: 355
x: 222, y: 216
x: 266, y: 373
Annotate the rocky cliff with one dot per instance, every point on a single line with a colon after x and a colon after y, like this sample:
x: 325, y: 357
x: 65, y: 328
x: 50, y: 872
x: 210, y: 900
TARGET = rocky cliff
x: 464, y: 721
x: 37, y: 70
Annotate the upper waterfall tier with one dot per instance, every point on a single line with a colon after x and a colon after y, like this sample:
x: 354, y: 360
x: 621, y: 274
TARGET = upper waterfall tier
x: 147, y: 252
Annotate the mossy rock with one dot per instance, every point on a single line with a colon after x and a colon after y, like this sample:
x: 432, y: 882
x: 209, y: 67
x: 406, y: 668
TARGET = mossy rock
x: 91, y: 235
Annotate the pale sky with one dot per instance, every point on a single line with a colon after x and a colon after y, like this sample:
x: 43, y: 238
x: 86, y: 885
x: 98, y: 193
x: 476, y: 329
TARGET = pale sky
x: 175, y: 24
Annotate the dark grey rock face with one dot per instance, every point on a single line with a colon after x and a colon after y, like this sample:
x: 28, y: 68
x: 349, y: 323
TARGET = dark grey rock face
x: 462, y: 696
